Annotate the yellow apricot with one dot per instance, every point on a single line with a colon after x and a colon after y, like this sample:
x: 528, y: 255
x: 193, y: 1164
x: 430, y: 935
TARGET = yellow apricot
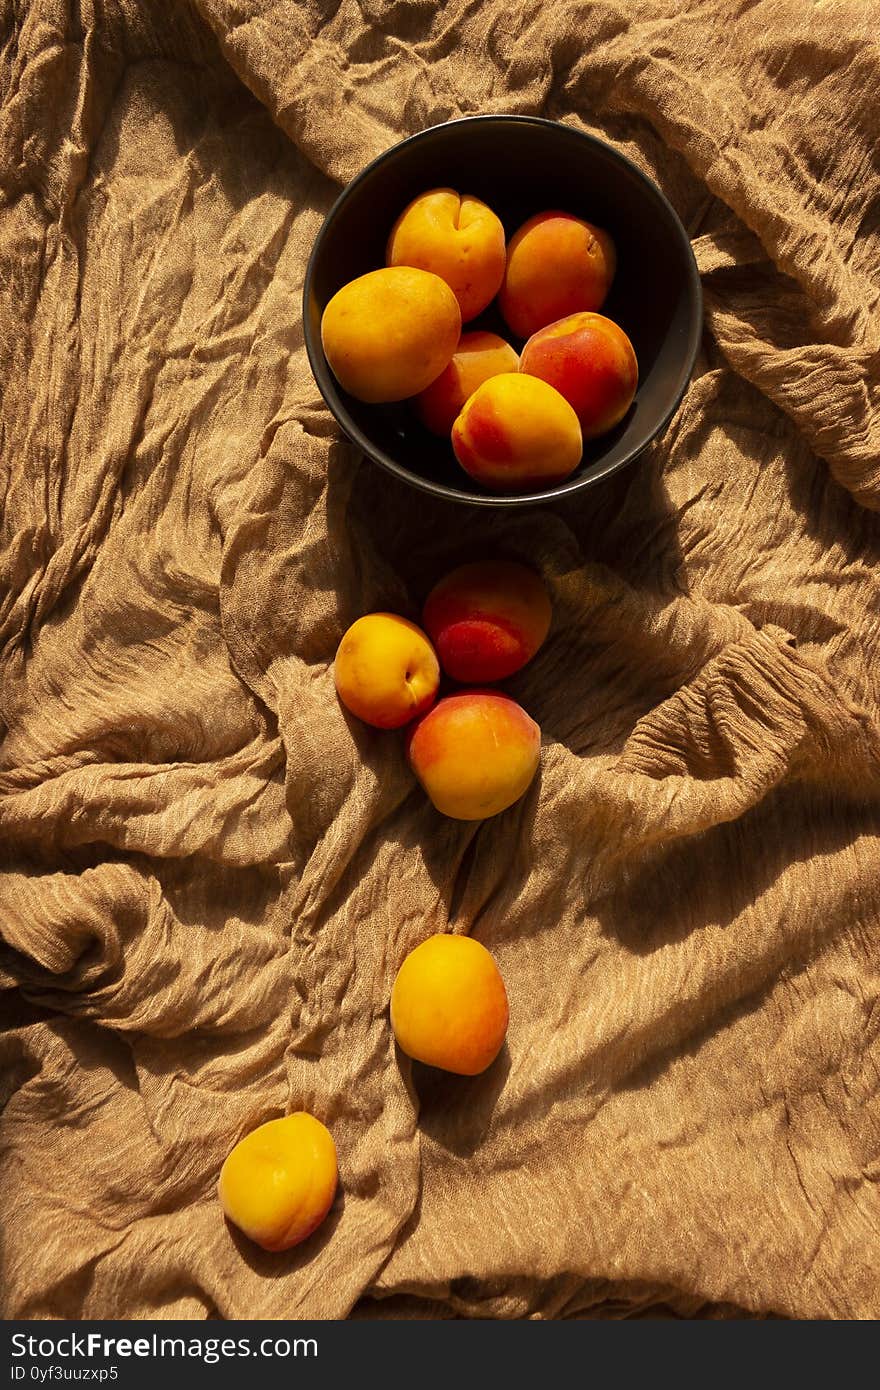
x: 389, y: 333
x: 278, y: 1183
x: 386, y: 670
x: 458, y: 238
x: 449, y: 1005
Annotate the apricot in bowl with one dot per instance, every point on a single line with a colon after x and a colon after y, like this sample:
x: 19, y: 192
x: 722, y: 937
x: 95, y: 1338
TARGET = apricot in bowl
x: 456, y: 237
x: 389, y: 333
x: 557, y: 264
x: 590, y: 361
x: 517, y: 433
x: 478, y: 356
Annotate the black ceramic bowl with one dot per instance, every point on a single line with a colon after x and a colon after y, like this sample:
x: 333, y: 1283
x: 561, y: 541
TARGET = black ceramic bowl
x: 519, y: 165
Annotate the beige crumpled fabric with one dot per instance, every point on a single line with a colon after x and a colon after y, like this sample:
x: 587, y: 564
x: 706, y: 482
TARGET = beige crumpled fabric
x: 210, y: 876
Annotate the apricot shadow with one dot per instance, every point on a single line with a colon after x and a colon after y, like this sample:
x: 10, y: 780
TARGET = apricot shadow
x: 463, y: 853
x: 456, y: 1111
x: 632, y: 526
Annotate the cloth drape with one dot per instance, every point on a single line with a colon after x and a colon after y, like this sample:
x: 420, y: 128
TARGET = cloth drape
x: 210, y: 875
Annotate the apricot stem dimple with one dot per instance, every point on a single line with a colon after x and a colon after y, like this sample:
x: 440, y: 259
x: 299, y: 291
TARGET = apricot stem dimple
x: 455, y: 237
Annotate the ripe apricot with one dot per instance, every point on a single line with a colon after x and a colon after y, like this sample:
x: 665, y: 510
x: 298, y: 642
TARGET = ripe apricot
x: 591, y: 362
x: 389, y: 333
x: 456, y: 237
x: 516, y: 432
x: 478, y: 356
x: 278, y: 1183
x: 475, y: 753
x: 487, y: 620
x: 449, y: 1005
x: 386, y: 670
x: 556, y: 265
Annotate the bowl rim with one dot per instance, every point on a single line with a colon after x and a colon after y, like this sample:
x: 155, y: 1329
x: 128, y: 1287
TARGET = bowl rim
x: 321, y: 369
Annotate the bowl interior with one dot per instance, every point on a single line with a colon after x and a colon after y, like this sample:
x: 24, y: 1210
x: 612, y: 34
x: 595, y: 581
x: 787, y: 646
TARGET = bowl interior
x: 519, y: 166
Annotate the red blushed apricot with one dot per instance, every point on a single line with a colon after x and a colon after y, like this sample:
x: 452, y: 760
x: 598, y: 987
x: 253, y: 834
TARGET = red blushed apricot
x: 458, y: 238
x: 591, y: 362
x: 477, y: 357
x: 515, y: 433
x: 487, y: 620
x: 475, y: 753
x: 556, y: 265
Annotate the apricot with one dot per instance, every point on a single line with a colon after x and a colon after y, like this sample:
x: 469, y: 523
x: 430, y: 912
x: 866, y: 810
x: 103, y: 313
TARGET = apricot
x: 516, y: 432
x: 475, y: 753
x: 278, y: 1183
x: 556, y: 265
x: 487, y: 620
x: 386, y: 670
x: 591, y: 362
x: 389, y: 333
x: 458, y: 238
x: 477, y: 357
x: 449, y: 1005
